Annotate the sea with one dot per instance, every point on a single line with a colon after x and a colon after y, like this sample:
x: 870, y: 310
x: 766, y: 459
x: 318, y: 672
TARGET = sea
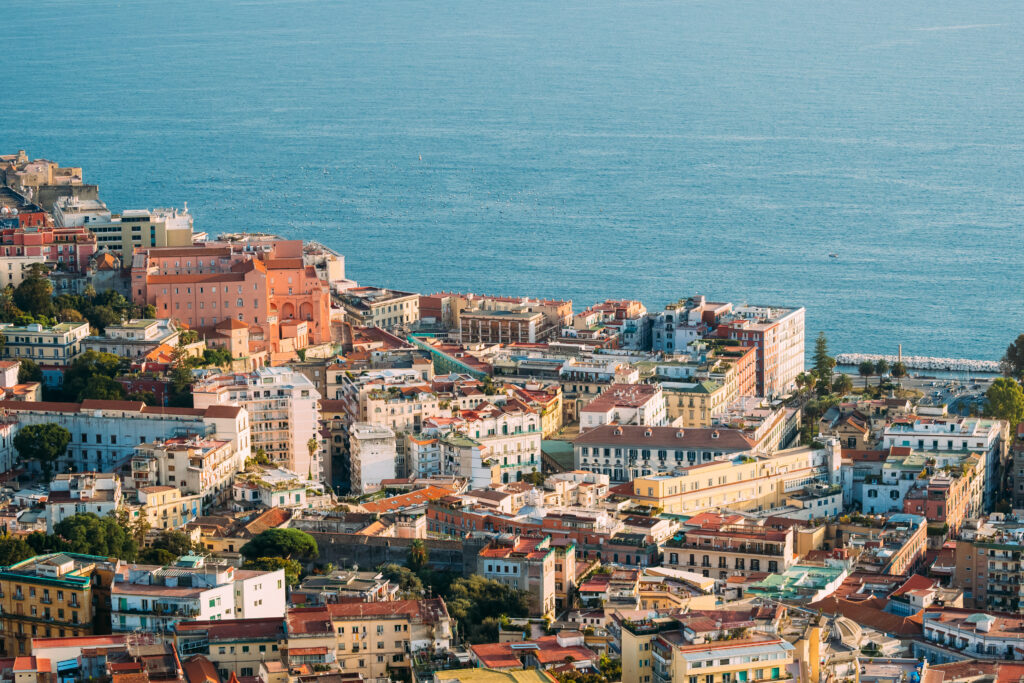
x: 556, y: 148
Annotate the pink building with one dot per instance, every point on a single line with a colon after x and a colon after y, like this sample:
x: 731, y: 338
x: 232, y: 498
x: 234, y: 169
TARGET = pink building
x: 284, y: 302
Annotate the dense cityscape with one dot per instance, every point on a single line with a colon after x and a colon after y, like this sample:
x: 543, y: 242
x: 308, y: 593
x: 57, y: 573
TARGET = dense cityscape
x: 223, y: 460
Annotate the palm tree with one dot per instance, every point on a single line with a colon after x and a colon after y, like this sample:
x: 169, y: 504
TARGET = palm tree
x: 842, y: 385
x: 881, y: 367
x: 898, y: 370
x: 866, y: 369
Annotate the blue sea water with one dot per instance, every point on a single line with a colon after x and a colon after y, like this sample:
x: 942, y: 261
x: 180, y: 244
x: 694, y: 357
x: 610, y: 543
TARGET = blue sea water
x: 648, y: 149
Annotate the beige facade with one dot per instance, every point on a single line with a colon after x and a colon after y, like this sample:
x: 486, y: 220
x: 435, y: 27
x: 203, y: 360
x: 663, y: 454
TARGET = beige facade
x: 743, y: 483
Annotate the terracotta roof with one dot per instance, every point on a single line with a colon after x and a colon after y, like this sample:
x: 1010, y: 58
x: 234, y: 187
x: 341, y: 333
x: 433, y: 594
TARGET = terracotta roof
x: 871, y: 613
x: 271, y: 519
x: 406, y: 500
x: 199, y: 669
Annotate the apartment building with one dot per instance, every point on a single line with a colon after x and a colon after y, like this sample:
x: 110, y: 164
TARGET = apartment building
x: 494, y: 319
x: 134, y: 338
x: 51, y: 347
x: 203, y: 467
x: 51, y: 596
x: 525, y: 563
x: 269, y: 288
x: 935, y: 437
x: 979, y: 636
x: 165, y: 507
x: 153, y: 600
x: 78, y: 493
x: 284, y: 414
x: 105, y: 434
x: 777, y: 335
x: 666, y: 651
x: 371, y: 639
x: 988, y: 563
x: 387, y: 309
x: 277, y: 487
x: 372, y: 454
x: 136, y: 229
x: 894, y: 545
x: 624, y: 452
x: 625, y: 404
x: 236, y: 646
x: 584, y: 380
x: 64, y: 249
x: 742, y: 481
x: 508, y: 433
x: 720, y: 546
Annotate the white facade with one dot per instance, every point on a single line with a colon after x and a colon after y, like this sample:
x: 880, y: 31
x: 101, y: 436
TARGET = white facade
x: 284, y: 408
x: 104, y: 434
x: 372, y: 452
x: 153, y: 600
x: 964, y: 434
x: 75, y: 494
x: 134, y: 338
x: 202, y: 467
x: 633, y: 404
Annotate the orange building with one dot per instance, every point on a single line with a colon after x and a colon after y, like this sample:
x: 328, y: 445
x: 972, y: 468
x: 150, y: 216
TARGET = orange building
x: 283, y: 301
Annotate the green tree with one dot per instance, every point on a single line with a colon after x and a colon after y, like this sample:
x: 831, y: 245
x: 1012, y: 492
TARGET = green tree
x: 157, y: 556
x: 866, y: 369
x: 474, y: 599
x: 1012, y: 364
x: 101, y: 388
x: 29, y: 371
x: 287, y: 543
x: 218, y: 357
x: 418, y: 556
x: 70, y: 315
x: 147, y: 397
x: 406, y: 580
x: 881, y: 367
x: 42, y: 443
x: 292, y: 568
x: 35, y: 293
x: 91, y: 535
x: 102, y: 317
x: 842, y: 384
x: 823, y: 363
x: 14, y: 549
x: 898, y: 370
x: 1005, y: 401
x: 175, y: 542
x: 88, y: 365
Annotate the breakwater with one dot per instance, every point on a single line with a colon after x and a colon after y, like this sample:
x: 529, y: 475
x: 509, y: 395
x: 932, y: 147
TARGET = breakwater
x: 922, y: 362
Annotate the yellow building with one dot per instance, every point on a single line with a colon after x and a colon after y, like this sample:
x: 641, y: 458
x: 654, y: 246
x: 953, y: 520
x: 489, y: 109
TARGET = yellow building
x: 165, y: 507
x: 660, y: 651
x: 238, y: 645
x: 51, y: 596
x: 371, y: 638
x: 144, y: 228
x: 694, y: 404
x: 743, y: 483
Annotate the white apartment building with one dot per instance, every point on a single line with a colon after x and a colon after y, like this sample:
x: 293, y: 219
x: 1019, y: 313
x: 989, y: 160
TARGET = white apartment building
x: 14, y: 267
x: 372, y: 452
x: 950, y: 434
x: 626, y: 404
x: 196, y: 466
x: 277, y: 487
x: 284, y: 410
x: 509, y: 434
x: 78, y: 493
x: 423, y: 455
x: 134, y: 338
x: 104, y: 434
x: 195, y: 588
